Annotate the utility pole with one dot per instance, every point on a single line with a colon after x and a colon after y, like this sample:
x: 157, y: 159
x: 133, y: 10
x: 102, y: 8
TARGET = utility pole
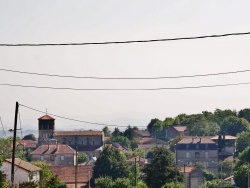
x: 135, y: 172
x: 14, y: 145
x: 76, y: 169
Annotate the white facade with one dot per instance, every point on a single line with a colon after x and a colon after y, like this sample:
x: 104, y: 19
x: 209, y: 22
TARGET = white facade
x: 21, y: 175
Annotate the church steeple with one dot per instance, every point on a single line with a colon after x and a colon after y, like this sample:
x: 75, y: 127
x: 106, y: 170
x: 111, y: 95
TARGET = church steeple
x: 46, y: 127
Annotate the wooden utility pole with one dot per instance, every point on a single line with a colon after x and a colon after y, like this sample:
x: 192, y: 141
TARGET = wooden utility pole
x: 14, y: 145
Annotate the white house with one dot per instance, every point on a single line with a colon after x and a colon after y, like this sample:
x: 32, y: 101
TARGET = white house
x: 23, y: 171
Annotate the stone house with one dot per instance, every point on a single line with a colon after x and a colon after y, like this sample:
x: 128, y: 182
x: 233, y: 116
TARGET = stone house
x: 193, y: 177
x: 174, y: 131
x: 74, y: 176
x: 197, y: 150
x: 24, y: 171
x: 55, y: 154
x: 89, y: 142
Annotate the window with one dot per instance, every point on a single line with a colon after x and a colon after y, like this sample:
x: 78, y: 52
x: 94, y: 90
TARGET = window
x: 187, y: 154
x: 42, y: 158
x: 52, y: 157
x: 197, y: 154
x: 206, y: 154
x: 62, y: 157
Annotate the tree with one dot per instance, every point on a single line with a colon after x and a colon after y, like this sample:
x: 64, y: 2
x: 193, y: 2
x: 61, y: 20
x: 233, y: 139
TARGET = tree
x: 243, y: 140
x: 129, y: 133
x: 174, y: 185
x: 155, y: 127
x: 245, y: 113
x: 233, y: 125
x: 111, y: 163
x: 124, y: 141
x: 242, y: 167
x: 48, y: 178
x: 107, y: 182
x: 203, y: 128
x: 116, y: 132
x: 82, y: 157
x: 162, y: 168
x: 29, y: 137
x: 106, y: 131
x: 217, y: 183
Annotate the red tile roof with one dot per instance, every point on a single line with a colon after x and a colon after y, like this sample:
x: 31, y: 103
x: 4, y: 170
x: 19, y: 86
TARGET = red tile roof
x: 28, y: 143
x: 46, y: 117
x: 149, y: 140
x: 53, y: 149
x: 188, y: 169
x: 138, y: 159
x: 67, y: 173
x: 180, y: 128
x: 78, y: 133
x: 142, y: 133
x: 24, y: 165
x: 227, y: 137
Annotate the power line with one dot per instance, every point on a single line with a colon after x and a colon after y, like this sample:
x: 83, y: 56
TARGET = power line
x: 125, y: 78
x: 3, y: 126
x: 127, y: 42
x: 125, y: 89
x: 72, y: 119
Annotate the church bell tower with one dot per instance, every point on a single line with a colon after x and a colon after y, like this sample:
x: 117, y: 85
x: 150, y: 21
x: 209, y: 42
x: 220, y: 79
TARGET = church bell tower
x: 46, y: 127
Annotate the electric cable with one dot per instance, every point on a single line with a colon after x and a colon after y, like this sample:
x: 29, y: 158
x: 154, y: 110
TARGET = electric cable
x: 72, y: 119
x: 126, y: 42
x: 125, y: 89
x: 125, y: 78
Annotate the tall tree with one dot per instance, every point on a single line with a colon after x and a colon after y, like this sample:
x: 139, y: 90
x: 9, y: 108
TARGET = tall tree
x: 112, y: 163
x: 162, y: 168
x: 243, y: 141
x: 106, y: 131
x: 233, y: 125
x: 245, y: 113
x: 203, y: 128
x: 155, y: 127
x: 241, y: 168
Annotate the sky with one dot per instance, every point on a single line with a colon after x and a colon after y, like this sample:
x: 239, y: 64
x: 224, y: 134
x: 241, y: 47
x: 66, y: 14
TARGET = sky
x: 54, y: 21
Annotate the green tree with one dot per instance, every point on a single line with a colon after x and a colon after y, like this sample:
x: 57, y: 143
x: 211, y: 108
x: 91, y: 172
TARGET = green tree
x: 48, y: 178
x: 233, y: 125
x: 121, y: 183
x: 116, y: 132
x: 242, y: 167
x: 217, y: 183
x: 155, y: 127
x: 124, y: 141
x: 106, y: 131
x: 135, y: 173
x: 173, y: 185
x: 245, y: 113
x: 129, y: 133
x: 243, y: 141
x: 103, y: 182
x: 203, y: 128
x: 112, y: 163
x: 162, y: 168
x: 29, y: 137
x: 82, y: 157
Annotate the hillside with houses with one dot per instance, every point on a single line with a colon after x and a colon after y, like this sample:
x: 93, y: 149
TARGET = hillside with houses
x: 202, y: 149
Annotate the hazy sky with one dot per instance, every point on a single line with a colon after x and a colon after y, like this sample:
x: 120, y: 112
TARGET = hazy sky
x: 78, y: 21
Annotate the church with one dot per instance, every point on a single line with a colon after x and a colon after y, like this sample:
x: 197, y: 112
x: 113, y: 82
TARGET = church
x: 89, y: 142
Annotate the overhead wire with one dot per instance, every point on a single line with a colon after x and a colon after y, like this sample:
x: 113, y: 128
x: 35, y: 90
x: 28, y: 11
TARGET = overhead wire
x: 125, y: 78
x: 125, y: 89
x: 3, y: 126
x: 72, y: 119
x: 125, y: 42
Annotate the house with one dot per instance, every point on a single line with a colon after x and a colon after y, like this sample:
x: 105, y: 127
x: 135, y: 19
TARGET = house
x: 55, y: 154
x: 74, y: 176
x: 141, y: 133
x: 193, y: 177
x: 197, y: 150
x: 226, y: 145
x: 28, y: 145
x: 147, y: 143
x: 89, y: 142
x: 174, y: 131
x: 24, y: 171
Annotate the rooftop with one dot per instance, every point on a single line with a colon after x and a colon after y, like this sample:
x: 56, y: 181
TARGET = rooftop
x: 24, y: 165
x: 195, y: 140
x: 53, y: 149
x: 46, y: 117
x: 78, y: 133
x: 180, y: 128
